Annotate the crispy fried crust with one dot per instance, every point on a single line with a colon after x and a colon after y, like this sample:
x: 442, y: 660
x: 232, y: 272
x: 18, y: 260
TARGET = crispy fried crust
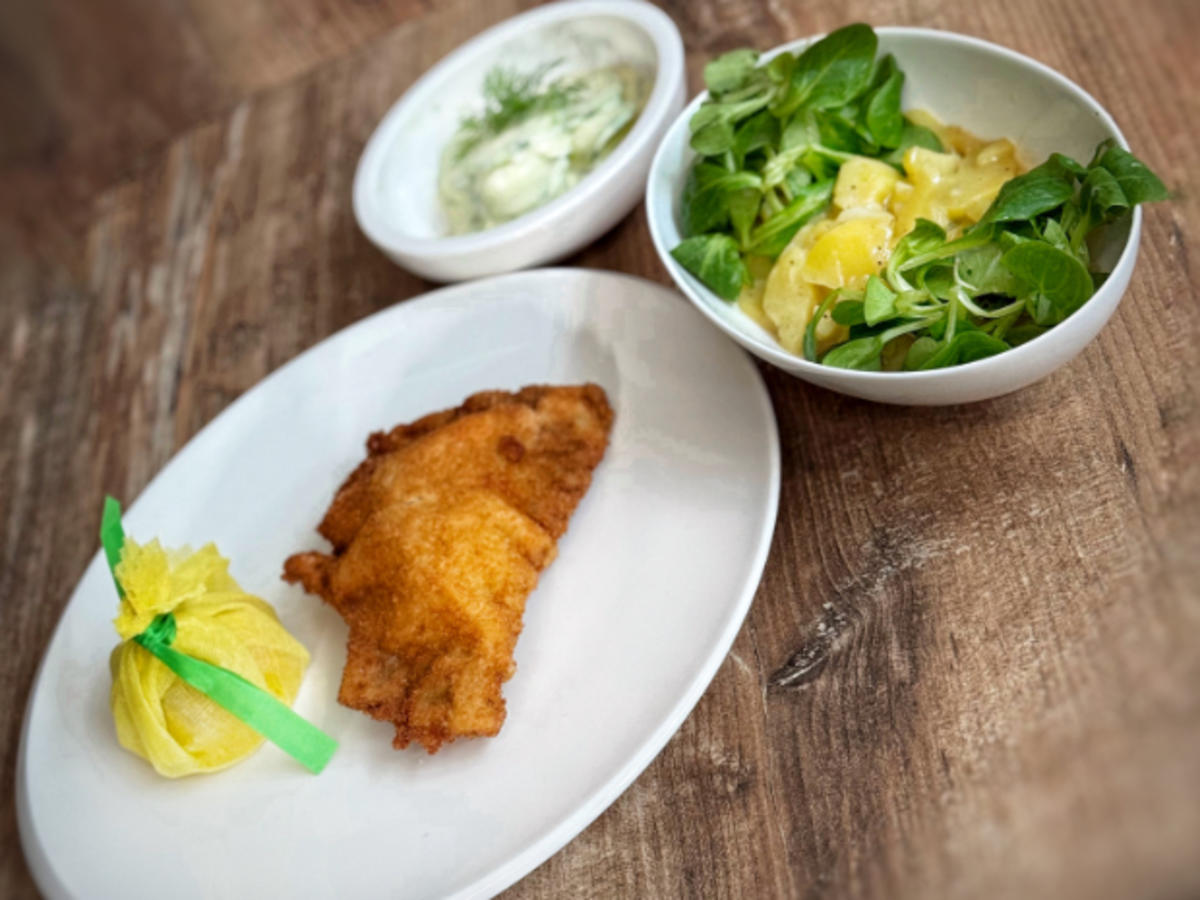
x: 438, y: 537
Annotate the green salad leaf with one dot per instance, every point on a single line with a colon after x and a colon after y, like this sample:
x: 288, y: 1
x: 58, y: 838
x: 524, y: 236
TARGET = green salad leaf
x: 730, y: 71
x: 885, y: 122
x: 1052, y: 274
x: 849, y: 312
x: 1137, y: 182
x: 860, y: 353
x: 770, y: 237
x: 705, y: 202
x: 714, y: 259
x: 831, y: 72
x: 982, y: 271
x: 1028, y: 196
x: 879, y: 302
x: 964, y: 347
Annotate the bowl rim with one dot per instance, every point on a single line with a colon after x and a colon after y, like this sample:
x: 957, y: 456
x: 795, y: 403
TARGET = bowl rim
x: 668, y: 75
x: 774, y: 352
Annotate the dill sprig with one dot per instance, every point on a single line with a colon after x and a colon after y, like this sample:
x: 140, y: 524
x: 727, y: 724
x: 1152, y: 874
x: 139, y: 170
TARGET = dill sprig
x: 509, y: 96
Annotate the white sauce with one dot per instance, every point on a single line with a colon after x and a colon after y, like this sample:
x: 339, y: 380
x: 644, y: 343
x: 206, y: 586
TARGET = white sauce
x: 541, y: 155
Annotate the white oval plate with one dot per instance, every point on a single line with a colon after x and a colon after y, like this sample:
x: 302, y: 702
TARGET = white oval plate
x: 622, y: 635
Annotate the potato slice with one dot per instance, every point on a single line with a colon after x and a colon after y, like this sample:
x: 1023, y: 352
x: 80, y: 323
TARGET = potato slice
x: 927, y: 171
x: 856, y: 248
x: 789, y: 299
x: 928, y: 168
x: 952, y: 137
x: 864, y: 184
x: 750, y: 300
x: 949, y: 189
x: 971, y: 192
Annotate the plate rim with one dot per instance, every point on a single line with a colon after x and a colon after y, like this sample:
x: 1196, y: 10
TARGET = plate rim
x: 567, y: 828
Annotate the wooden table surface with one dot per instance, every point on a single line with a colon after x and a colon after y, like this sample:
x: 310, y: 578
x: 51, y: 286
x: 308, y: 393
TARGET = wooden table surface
x: 991, y: 612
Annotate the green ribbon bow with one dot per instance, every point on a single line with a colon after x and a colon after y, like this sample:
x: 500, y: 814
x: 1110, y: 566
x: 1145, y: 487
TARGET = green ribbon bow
x: 275, y: 721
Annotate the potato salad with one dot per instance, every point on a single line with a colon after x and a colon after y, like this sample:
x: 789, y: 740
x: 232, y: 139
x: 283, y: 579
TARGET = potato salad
x: 865, y: 237
x: 874, y: 205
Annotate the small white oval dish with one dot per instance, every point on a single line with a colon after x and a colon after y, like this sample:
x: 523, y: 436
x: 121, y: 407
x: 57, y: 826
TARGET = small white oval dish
x: 622, y: 635
x: 991, y: 91
x: 396, y: 183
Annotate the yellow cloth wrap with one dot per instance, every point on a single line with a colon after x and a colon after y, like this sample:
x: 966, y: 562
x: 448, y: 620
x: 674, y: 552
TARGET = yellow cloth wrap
x: 158, y: 716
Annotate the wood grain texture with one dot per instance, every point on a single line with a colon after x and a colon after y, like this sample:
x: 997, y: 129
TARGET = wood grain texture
x: 973, y: 665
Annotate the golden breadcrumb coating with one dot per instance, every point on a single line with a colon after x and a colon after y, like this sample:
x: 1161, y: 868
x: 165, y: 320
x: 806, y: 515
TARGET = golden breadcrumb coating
x: 438, y: 537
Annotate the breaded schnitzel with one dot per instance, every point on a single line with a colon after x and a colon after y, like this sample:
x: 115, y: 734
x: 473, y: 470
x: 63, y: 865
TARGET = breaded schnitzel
x: 438, y: 537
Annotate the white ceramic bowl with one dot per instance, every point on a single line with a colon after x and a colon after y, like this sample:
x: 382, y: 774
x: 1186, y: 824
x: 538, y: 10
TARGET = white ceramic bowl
x: 395, y: 186
x: 993, y: 92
